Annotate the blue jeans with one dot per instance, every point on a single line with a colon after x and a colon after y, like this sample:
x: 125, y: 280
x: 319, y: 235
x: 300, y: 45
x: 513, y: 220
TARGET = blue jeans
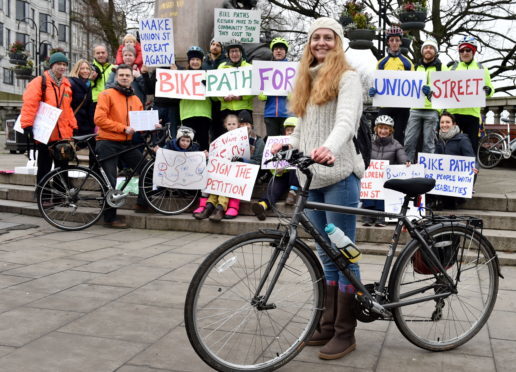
x: 421, y: 122
x: 344, y: 193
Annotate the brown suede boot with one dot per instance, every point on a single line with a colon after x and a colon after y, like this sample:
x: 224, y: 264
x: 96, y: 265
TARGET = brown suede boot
x: 343, y: 342
x: 325, y: 329
x: 208, y: 210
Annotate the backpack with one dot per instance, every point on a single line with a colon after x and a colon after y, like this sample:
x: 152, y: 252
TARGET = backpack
x: 363, y: 140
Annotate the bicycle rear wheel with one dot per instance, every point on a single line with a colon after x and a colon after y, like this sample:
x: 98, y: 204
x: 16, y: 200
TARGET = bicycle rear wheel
x: 165, y: 200
x: 448, y: 322
x: 490, y: 150
x: 71, y: 198
x: 223, y: 322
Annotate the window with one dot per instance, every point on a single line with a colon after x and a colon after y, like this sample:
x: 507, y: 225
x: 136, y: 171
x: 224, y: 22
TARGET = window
x: 23, y: 38
x: 1, y: 33
x: 8, y: 8
x: 22, y: 10
x: 8, y: 76
x: 8, y: 40
x: 44, y: 22
x: 61, y: 5
x: 1, y: 4
x: 62, y: 32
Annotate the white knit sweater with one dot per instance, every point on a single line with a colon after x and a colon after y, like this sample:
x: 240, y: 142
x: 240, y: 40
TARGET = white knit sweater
x: 332, y: 125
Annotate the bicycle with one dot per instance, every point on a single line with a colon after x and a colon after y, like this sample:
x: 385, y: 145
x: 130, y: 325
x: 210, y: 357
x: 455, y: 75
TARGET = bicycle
x: 494, y: 147
x: 256, y: 300
x: 74, y: 198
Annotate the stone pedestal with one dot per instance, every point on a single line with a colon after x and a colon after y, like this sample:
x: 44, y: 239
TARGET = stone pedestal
x: 193, y: 22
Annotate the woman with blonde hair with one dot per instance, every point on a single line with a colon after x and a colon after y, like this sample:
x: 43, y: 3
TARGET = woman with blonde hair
x: 327, y: 99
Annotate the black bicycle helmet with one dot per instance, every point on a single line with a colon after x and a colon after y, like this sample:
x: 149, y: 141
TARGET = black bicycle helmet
x: 195, y: 52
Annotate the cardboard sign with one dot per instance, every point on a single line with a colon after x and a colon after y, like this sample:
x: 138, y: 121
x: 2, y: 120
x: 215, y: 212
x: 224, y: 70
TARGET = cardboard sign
x: 143, y: 120
x: 371, y: 185
x: 274, y: 78
x: 237, y: 24
x: 458, y: 89
x: 394, y: 199
x: 46, y: 119
x: 230, y: 144
x: 453, y: 174
x: 157, y: 41
x: 267, y: 154
x: 231, y: 179
x: 180, y: 170
x: 182, y: 84
x: 399, y: 88
x: 229, y: 81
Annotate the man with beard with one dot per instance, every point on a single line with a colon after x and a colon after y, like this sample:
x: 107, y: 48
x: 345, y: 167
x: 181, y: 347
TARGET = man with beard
x: 215, y: 57
x: 424, y: 120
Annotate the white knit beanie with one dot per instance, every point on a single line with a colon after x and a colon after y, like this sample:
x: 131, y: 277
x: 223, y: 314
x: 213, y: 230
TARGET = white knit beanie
x: 325, y: 22
x: 432, y: 42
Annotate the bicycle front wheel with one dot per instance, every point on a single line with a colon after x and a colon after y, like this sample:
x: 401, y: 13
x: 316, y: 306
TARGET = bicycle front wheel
x: 490, y: 150
x: 71, y: 198
x: 165, y: 200
x: 224, y: 322
x: 448, y: 322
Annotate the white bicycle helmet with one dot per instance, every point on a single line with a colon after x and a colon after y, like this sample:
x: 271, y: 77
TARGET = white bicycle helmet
x: 385, y: 120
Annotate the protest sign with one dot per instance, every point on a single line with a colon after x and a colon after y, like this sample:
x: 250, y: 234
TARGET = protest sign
x: 274, y: 78
x: 272, y: 140
x: 46, y: 119
x: 399, y: 88
x: 230, y: 144
x: 143, y: 120
x: 231, y: 179
x: 237, y: 24
x: 371, y: 185
x: 394, y: 199
x: 458, y: 89
x: 179, y: 170
x: 157, y: 41
x: 229, y: 81
x: 453, y: 174
x: 182, y: 84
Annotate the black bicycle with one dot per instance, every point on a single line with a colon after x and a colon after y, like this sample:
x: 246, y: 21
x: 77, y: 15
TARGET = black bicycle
x: 74, y: 198
x: 256, y: 300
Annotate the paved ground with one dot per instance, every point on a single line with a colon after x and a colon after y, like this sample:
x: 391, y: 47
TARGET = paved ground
x: 103, y: 300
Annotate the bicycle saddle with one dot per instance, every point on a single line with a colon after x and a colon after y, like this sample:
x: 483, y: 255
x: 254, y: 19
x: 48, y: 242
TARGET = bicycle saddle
x: 411, y: 186
x: 84, y: 137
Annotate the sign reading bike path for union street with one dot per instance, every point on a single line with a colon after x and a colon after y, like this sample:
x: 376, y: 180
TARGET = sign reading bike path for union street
x: 237, y: 24
x: 157, y: 41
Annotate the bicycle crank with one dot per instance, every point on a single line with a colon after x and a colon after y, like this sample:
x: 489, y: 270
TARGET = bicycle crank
x: 116, y: 198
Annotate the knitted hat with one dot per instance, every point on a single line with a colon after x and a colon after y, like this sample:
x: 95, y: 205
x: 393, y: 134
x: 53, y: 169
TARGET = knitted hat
x: 184, y: 131
x: 58, y: 57
x: 325, y: 22
x: 245, y: 117
x: 432, y: 42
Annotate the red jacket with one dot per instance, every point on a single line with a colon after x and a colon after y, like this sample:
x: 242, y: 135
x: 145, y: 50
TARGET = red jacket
x: 112, y: 114
x: 53, y: 95
x: 138, y: 61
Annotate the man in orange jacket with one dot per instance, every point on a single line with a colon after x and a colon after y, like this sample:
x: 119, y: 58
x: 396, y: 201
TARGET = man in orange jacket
x: 115, y: 134
x: 56, y: 92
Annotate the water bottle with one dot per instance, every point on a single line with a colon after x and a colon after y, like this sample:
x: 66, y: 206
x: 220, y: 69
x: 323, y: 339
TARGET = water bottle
x: 343, y: 243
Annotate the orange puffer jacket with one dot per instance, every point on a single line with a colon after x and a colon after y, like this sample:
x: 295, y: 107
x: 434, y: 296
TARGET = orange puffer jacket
x: 112, y: 114
x: 53, y: 95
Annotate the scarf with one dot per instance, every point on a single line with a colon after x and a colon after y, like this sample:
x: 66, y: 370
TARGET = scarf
x: 128, y: 92
x: 446, y: 136
x: 54, y: 77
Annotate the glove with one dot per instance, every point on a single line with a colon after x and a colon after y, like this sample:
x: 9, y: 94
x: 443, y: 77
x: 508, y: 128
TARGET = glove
x: 262, y: 97
x: 372, y: 92
x: 237, y: 158
x: 28, y: 132
x: 487, y: 89
x: 427, y: 92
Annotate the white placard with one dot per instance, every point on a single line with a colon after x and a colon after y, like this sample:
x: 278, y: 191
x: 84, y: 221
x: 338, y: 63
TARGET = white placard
x: 274, y: 78
x: 399, y: 88
x: 230, y: 144
x: 180, y: 170
x: 237, y: 24
x: 157, y: 41
x: 267, y: 154
x: 453, y: 174
x: 394, y: 199
x: 143, y: 120
x: 229, y: 81
x: 458, y: 89
x: 45, y: 121
x: 231, y: 179
x: 182, y: 84
x: 371, y: 185
x: 17, y: 125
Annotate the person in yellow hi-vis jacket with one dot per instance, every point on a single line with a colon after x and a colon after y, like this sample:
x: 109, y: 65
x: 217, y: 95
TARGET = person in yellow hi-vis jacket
x: 469, y: 118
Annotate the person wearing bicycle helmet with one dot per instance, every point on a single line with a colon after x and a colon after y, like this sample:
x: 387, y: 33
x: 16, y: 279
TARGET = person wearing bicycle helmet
x: 326, y: 102
x: 384, y: 147
x: 394, y: 60
x: 276, y: 111
x: 232, y: 104
x: 469, y: 119
x: 424, y: 120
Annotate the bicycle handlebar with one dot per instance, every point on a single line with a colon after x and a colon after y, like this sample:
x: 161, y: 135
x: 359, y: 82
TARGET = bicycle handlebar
x: 295, y: 158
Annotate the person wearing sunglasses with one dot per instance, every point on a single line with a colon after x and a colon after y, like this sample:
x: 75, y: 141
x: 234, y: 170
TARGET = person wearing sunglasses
x: 469, y: 119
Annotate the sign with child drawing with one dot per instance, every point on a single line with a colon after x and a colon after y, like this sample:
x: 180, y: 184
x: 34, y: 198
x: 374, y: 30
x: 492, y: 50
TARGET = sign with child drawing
x: 399, y: 88
x: 231, y: 144
x: 267, y: 154
x: 237, y: 24
x: 157, y: 41
x: 371, y: 185
x: 231, y: 179
x: 179, y: 170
